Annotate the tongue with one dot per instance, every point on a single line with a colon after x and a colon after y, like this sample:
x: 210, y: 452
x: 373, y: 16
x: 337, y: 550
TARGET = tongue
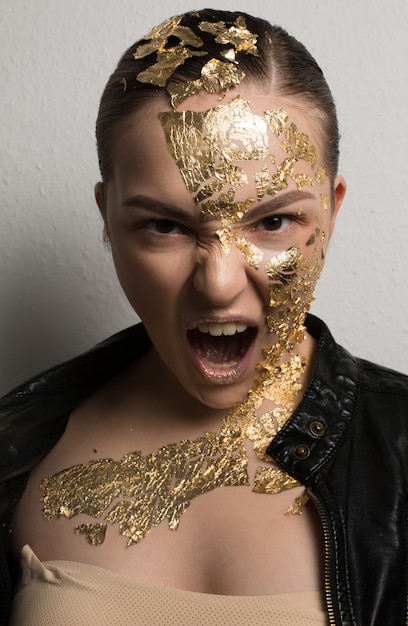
x: 223, y: 349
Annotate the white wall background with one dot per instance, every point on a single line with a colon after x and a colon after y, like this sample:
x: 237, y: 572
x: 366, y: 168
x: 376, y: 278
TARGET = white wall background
x: 58, y: 292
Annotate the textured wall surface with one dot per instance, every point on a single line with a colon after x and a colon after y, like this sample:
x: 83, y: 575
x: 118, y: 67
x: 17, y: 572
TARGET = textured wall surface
x: 58, y: 291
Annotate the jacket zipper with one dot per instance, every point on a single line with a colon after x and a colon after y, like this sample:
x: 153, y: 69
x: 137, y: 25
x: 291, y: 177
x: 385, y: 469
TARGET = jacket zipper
x: 323, y: 519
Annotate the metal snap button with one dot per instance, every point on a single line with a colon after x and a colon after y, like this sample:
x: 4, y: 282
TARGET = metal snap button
x: 302, y: 451
x: 317, y: 428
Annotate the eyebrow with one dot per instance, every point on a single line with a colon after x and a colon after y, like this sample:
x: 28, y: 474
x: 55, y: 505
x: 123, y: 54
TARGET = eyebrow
x: 147, y: 202
x: 281, y: 201
x: 274, y: 204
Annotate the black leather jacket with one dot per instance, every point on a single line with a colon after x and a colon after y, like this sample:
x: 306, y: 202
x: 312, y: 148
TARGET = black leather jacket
x: 347, y: 443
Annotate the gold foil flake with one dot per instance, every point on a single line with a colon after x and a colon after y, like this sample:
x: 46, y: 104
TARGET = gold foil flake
x: 283, y: 267
x: 160, y: 34
x: 179, y: 91
x: 167, y: 62
x: 236, y: 34
x: 297, y: 145
x: 261, y: 183
x: 273, y: 480
x: 123, y: 82
x: 313, y: 237
x: 276, y: 120
x: 160, y: 485
x: 218, y: 76
x: 301, y: 180
x: 324, y: 201
x: 321, y: 175
x: 94, y: 533
x: 208, y: 146
x: 225, y: 236
x: 229, y: 55
x: 251, y: 253
x: 298, y: 505
x: 279, y: 180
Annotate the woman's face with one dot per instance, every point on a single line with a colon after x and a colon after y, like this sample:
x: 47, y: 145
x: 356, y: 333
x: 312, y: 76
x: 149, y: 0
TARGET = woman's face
x: 219, y: 217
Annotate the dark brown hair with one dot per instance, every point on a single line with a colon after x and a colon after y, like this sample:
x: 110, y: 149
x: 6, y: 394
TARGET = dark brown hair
x: 284, y: 65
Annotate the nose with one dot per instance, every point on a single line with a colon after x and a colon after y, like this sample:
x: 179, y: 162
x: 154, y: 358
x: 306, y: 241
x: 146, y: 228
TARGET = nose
x: 220, y: 278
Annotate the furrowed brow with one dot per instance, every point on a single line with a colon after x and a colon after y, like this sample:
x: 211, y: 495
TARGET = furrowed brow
x: 157, y: 206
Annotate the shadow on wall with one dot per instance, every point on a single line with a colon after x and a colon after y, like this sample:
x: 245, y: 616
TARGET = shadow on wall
x: 48, y: 308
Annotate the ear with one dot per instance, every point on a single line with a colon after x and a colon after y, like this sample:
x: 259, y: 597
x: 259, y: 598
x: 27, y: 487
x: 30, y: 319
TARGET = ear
x: 100, y: 198
x: 101, y: 202
x: 338, y: 195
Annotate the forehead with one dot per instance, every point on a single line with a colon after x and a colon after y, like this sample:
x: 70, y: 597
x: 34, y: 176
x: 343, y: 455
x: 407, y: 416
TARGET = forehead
x: 218, y: 120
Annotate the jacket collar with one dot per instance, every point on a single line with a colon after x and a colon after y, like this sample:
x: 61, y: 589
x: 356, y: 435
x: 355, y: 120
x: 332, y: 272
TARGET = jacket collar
x: 324, y: 416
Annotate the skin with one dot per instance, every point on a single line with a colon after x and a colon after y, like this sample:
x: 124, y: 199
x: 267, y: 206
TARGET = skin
x: 169, y: 259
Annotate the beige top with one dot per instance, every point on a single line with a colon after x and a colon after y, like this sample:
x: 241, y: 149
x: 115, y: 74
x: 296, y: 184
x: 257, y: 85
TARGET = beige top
x: 76, y: 594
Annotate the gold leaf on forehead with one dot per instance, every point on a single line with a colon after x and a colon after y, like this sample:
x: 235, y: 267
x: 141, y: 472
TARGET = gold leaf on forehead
x: 276, y: 120
x: 321, y: 175
x: 279, y: 181
x: 237, y: 35
x: 297, y: 145
x: 207, y: 145
x: 324, y: 201
x: 252, y: 254
x: 219, y: 76
x: 301, y: 180
x: 166, y: 64
x: 261, y: 182
x: 236, y: 131
x: 160, y: 34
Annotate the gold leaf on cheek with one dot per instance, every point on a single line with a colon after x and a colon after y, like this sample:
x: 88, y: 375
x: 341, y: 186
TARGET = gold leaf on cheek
x: 252, y: 254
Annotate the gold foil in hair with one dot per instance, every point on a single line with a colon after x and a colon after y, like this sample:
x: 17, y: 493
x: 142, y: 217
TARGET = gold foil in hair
x: 159, y: 36
x: 229, y: 55
x: 167, y: 62
x: 236, y: 34
x: 218, y: 76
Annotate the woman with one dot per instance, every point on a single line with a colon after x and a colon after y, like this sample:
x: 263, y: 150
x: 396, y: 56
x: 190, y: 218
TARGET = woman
x: 226, y: 461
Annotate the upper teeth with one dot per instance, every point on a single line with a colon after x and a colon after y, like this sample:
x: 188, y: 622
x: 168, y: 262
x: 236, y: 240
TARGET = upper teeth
x: 216, y: 330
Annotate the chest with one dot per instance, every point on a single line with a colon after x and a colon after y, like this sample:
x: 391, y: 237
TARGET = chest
x: 229, y: 540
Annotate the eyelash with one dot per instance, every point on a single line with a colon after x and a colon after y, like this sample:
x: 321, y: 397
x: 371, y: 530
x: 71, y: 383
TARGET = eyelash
x: 153, y: 225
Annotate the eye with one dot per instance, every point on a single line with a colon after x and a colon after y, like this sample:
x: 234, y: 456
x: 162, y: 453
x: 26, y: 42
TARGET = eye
x: 163, y: 227
x: 273, y: 223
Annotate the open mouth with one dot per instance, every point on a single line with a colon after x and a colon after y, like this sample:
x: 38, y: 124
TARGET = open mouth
x: 221, y: 351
